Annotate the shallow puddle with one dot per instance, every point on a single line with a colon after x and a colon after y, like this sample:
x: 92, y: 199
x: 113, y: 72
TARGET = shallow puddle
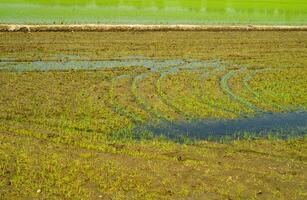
x: 69, y: 64
x: 279, y: 125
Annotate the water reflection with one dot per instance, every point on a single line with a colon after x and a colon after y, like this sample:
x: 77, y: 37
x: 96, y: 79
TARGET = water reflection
x: 281, y: 125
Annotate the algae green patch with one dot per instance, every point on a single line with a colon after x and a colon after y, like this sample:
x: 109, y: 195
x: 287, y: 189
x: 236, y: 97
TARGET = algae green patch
x: 272, y: 12
x: 82, y: 115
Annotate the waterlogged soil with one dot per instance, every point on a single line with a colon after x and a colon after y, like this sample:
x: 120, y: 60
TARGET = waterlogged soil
x: 68, y: 132
x: 275, y: 125
x: 282, y: 125
x: 66, y: 63
x: 198, y: 85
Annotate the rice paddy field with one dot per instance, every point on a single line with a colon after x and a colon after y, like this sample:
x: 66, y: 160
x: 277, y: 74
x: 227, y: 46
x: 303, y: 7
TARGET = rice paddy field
x: 153, y: 115
x: 290, y: 12
x: 143, y: 111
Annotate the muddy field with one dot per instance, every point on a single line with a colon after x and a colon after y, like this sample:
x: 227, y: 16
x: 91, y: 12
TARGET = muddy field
x: 153, y: 115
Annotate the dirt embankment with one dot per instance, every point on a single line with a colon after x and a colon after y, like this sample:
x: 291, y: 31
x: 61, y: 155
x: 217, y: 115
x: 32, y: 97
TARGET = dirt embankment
x: 105, y: 27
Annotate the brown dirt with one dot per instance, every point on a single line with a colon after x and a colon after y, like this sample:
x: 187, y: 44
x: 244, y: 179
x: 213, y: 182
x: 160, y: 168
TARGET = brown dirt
x: 106, y: 27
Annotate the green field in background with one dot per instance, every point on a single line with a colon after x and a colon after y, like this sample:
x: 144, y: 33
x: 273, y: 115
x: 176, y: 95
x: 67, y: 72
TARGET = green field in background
x: 293, y: 12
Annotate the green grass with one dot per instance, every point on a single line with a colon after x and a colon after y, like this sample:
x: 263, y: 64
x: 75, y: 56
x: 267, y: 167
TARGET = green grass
x: 69, y: 133
x: 154, y: 12
x: 260, y: 169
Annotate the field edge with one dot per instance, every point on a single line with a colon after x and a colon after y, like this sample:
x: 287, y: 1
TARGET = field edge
x: 141, y: 27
